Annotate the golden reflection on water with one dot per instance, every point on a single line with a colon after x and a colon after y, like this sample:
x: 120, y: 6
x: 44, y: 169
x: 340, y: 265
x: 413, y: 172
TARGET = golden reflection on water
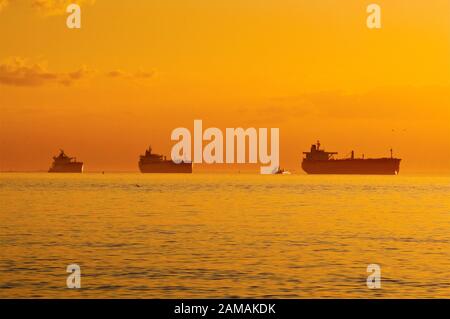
x: 214, y: 236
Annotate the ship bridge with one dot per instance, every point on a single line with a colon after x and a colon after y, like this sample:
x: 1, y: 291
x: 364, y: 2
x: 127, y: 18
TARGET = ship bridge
x: 316, y: 154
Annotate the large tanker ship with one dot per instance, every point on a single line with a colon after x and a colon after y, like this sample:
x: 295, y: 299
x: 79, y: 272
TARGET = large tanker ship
x: 156, y: 163
x: 318, y: 161
x: 65, y: 164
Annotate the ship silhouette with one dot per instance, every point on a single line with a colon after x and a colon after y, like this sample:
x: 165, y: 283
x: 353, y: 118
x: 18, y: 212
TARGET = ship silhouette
x: 318, y: 161
x: 65, y: 164
x: 156, y: 163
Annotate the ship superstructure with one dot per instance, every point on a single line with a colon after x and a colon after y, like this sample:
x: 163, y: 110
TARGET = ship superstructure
x: 156, y: 163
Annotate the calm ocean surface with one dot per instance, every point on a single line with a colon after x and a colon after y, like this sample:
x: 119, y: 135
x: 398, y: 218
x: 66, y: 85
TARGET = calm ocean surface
x: 214, y: 236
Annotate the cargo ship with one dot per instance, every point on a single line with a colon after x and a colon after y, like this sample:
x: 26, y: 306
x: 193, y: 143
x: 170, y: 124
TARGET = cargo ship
x: 318, y: 161
x: 156, y: 163
x: 65, y: 164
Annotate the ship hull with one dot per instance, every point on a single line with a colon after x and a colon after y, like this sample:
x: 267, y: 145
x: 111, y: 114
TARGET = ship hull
x: 76, y: 167
x: 381, y: 166
x: 165, y: 167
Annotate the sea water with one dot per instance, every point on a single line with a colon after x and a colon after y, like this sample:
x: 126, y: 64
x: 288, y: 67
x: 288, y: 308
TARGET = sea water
x: 223, y: 235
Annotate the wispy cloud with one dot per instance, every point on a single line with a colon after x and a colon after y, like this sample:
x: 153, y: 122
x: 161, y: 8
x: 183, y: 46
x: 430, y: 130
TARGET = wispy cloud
x: 3, y: 3
x: 18, y: 71
x: 387, y: 102
x: 49, y: 7
x: 56, y: 7
x: 123, y: 74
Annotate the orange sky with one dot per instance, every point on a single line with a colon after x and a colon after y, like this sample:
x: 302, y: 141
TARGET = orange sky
x: 138, y: 69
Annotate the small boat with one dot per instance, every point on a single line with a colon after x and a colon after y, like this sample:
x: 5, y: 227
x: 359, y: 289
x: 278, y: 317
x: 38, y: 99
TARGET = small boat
x: 282, y: 171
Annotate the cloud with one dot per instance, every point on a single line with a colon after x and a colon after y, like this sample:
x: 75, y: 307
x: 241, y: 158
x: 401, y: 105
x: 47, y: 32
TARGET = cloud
x: 18, y: 71
x: 127, y: 75
x: 56, y: 7
x: 3, y: 3
x: 115, y: 74
x: 49, y: 7
x: 387, y: 102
